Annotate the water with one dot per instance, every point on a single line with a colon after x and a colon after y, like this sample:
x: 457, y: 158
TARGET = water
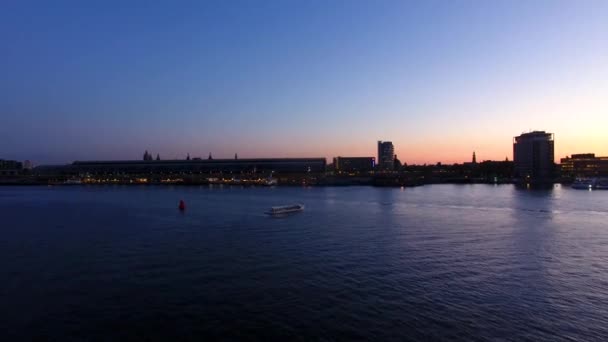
x: 458, y: 262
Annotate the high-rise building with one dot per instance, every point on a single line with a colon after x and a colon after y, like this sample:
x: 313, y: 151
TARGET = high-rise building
x: 533, y: 154
x: 386, y: 156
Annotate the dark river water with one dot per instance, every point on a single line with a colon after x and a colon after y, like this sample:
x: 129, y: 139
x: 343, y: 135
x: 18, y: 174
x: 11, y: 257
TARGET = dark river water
x: 440, y: 262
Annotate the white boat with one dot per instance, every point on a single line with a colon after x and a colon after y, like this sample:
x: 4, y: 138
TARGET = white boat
x: 270, y: 182
x: 584, y: 184
x: 285, y: 209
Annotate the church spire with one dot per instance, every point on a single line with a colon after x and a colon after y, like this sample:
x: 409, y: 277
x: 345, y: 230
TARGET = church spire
x: 474, y: 158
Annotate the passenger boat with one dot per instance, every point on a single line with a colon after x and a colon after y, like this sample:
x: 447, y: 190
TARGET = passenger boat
x: 584, y: 184
x: 285, y: 209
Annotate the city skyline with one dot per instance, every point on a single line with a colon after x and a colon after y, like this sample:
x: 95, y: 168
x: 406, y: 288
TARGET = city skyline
x: 287, y: 79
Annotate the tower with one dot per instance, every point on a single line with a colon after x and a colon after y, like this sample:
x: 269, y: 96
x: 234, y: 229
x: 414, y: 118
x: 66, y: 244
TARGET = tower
x: 147, y: 156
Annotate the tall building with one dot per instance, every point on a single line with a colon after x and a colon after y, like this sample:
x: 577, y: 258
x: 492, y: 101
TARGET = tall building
x: 386, y: 156
x: 533, y: 154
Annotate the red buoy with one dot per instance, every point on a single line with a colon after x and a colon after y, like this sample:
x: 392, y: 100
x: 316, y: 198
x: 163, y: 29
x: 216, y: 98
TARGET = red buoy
x: 182, y: 205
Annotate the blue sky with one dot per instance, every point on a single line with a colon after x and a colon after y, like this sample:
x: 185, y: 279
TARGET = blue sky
x: 105, y: 80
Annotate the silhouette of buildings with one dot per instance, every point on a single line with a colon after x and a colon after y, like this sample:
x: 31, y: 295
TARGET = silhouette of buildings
x: 584, y: 166
x: 354, y: 164
x: 397, y: 164
x: 533, y: 154
x: 386, y: 156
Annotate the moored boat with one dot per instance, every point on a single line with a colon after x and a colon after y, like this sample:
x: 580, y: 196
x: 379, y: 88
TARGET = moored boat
x: 601, y: 184
x: 584, y: 184
x: 285, y: 209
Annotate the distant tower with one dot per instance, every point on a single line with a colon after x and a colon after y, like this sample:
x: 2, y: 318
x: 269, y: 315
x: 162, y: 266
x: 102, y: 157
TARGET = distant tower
x: 188, y: 156
x: 157, y: 156
x: 147, y: 156
x: 210, y: 156
x: 474, y: 158
x: 236, y: 156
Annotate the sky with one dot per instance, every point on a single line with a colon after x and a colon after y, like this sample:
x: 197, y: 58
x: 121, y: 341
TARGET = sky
x: 84, y: 80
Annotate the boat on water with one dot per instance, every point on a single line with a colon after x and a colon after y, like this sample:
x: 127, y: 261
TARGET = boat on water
x: 584, y: 184
x: 601, y: 184
x: 270, y: 181
x: 285, y: 209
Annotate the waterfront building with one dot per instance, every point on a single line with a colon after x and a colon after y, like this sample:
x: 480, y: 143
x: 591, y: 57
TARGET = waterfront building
x: 585, y: 165
x: 354, y: 164
x: 533, y: 154
x: 198, y: 166
x: 386, y: 156
x: 10, y: 167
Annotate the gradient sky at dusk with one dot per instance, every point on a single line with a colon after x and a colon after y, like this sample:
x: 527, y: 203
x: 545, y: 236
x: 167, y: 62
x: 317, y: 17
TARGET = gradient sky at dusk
x: 441, y: 79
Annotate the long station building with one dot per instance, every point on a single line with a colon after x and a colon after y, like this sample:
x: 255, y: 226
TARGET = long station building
x: 195, y: 166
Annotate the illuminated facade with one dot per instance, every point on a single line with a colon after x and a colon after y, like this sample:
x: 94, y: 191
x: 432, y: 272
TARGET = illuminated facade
x: 584, y: 165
